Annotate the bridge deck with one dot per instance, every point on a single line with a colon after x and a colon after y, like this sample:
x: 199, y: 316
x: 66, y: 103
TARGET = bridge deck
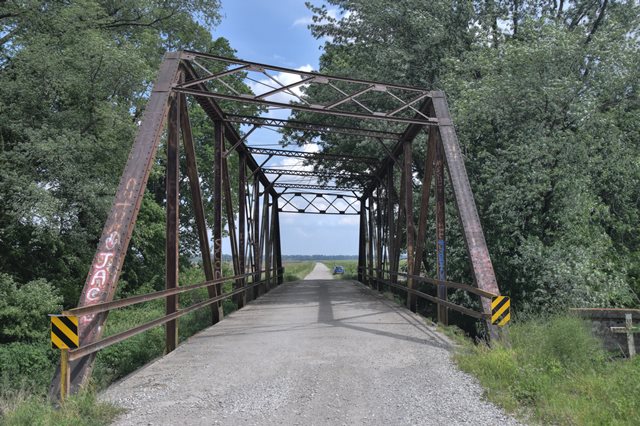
x: 308, y: 352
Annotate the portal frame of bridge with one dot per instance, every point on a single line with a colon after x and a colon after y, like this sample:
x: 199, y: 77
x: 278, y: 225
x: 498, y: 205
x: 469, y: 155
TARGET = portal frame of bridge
x: 386, y: 213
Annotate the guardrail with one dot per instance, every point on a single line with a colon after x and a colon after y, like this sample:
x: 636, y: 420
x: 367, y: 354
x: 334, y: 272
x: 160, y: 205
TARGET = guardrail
x: 435, y: 299
x: 82, y: 351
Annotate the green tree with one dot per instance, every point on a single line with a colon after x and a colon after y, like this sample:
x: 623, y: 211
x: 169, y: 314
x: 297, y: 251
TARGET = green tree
x: 544, y: 95
x: 74, y: 79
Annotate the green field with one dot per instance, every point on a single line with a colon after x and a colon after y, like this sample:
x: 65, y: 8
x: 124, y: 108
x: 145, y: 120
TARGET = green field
x: 294, y: 271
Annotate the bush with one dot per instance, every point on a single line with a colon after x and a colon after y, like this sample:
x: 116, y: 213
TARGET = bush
x: 24, y: 309
x: 27, y: 366
x: 556, y: 372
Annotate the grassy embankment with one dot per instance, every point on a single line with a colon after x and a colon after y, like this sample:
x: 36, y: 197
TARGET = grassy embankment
x: 555, y: 372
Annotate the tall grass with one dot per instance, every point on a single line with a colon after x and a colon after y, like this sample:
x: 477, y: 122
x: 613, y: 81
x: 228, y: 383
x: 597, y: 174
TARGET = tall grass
x: 294, y: 271
x: 555, y: 372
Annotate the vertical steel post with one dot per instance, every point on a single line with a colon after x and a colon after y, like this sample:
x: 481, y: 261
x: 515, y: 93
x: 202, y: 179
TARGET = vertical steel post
x: 424, y: 200
x: 441, y: 260
x: 272, y: 245
x: 481, y: 265
x: 196, y: 197
x: 390, y: 222
x: 370, y: 241
x: 217, y: 207
x: 278, y: 243
x: 362, y: 242
x: 399, y: 225
x: 103, y: 276
x: 233, y: 240
x: 379, y: 234
x: 264, y: 237
x: 408, y: 210
x: 257, y: 256
x: 172, y: 221
x: 242, y: 195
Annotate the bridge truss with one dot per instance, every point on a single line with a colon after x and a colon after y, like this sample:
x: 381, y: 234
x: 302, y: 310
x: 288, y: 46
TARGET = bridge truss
x: 387, y: 226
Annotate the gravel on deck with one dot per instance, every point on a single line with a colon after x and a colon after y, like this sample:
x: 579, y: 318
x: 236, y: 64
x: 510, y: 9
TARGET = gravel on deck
x: 312, y: 352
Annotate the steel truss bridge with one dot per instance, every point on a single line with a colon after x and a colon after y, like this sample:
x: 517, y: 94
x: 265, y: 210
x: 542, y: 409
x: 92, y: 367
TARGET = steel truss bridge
x: 390, y: 115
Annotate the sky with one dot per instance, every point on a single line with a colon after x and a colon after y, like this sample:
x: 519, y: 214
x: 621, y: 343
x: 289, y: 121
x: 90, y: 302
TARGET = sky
x: 275, y: 32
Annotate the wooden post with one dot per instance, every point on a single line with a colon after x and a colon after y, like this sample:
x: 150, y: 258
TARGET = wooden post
x: 65, y: 376
x: 629, y: 330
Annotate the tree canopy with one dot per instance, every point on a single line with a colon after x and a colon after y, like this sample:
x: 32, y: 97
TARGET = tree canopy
x: 544, y: 95
x: 74, y: 79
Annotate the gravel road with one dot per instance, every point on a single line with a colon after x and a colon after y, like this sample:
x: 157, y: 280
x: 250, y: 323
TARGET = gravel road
x: 312, y: 352
x: 320, y: 272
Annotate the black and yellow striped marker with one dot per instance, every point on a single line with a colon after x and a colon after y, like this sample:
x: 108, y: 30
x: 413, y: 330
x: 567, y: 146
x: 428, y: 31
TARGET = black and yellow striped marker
x: 64, y: 332
x: 500, y: 310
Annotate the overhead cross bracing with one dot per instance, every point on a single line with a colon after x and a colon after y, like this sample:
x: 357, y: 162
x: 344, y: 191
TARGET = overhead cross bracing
x: 235, y: 94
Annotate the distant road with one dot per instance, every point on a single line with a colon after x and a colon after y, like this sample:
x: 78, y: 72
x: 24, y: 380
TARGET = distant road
x: 320, y: 272
x: 312, y: 352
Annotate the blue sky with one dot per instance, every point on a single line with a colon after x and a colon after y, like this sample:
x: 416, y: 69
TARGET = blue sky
x: 275, y: 32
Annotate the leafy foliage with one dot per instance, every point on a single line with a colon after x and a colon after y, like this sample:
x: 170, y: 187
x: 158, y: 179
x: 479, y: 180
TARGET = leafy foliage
x: 544, y: 95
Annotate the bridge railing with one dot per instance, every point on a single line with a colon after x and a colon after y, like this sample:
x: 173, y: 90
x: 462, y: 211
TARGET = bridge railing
x: 267, y: 277
x: 435, y: 299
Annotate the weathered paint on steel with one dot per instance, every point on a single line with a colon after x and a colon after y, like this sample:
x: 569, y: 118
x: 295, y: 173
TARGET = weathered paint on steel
x: 481, y: 265
x: 100, y: 285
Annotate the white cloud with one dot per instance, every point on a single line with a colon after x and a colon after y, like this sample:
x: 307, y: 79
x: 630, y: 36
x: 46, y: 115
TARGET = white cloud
x: 332, y: 13
x: 265, y: 85
x: 303, y: 21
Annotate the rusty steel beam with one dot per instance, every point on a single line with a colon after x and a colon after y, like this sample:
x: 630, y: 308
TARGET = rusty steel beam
x: 299, y: 107
x: 410, y: 225
x: 424, y: 200
x: 293, y: 185
x: 408, y: 135
x: 371, y: 239
x: 264, y: 234
x: 390, y: 214
x: 257, y: 255
x: 233, y: 240
x: 379, y: 235
x: 102, y: 279
x: 218, y: 150
x: 172, y: 221
x: 198, y: 205
x: 215, y: 113
x: 481, y: 265
x: 256, y: 66
x: 278, y: 246
x: 310, y: 203
x: 312, y: 155
x: 321, y: 174
x: 441, y: 253
x: 242, y: 226
x: 362, y: 242
x: 311, y: 127
x: 397, y: 242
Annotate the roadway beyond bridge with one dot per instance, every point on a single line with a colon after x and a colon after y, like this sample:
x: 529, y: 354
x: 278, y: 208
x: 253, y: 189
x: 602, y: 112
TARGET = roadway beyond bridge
x: 318, y: 351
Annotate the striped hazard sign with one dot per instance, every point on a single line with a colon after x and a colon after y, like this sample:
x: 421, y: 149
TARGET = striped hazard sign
x: 64, y: 332
x: 500, y: 310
